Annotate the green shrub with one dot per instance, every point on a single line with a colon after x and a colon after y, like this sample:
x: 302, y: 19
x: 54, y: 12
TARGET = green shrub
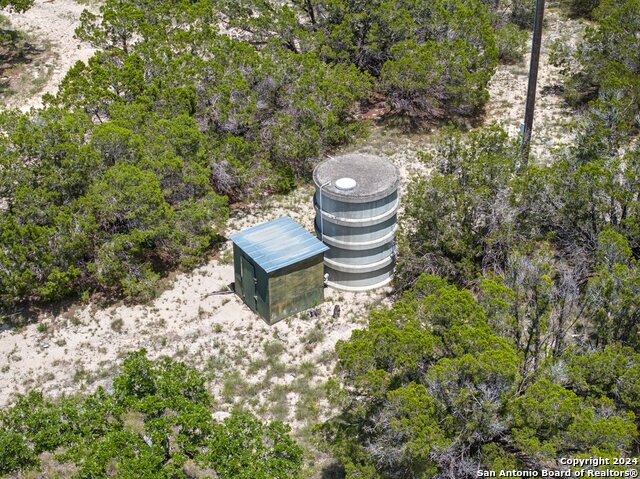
x: 158, y: 418
x: 511, y: 42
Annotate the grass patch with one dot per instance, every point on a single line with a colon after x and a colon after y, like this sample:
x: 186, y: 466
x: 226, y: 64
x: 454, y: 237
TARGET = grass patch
x: 313, y: 337
x: 307, y: 409
x: 276, y: 369
x: 235, y: 386
x: 273, y: 349
x: 278, y: 402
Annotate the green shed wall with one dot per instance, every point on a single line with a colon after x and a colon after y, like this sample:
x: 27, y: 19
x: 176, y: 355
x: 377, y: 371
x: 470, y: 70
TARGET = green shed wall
x: 283, y: 292
x: 262, y: 284
x: 296, y: 287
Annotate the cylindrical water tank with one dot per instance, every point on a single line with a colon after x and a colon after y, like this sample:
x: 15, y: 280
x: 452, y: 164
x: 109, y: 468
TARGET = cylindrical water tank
x: 356, y: 204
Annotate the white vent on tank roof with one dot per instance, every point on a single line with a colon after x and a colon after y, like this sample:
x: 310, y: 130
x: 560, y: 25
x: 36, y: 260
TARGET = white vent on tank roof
x: 345, y: 184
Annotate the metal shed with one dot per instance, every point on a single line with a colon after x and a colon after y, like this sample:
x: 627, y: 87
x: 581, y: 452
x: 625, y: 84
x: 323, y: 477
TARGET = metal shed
x: 278, y: 268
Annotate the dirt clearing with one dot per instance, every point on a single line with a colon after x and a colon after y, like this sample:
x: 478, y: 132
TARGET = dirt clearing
x: 43, y: 51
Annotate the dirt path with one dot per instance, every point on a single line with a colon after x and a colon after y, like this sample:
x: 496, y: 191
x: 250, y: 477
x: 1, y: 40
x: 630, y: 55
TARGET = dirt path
x: 49, y: 26
x: 508, y: 89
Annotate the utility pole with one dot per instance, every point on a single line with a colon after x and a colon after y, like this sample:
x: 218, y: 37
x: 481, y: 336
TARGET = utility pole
x: 533, y: 80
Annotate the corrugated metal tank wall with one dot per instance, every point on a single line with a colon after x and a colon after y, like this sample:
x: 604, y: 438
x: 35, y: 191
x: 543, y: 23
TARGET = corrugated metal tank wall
x: 358, y: 222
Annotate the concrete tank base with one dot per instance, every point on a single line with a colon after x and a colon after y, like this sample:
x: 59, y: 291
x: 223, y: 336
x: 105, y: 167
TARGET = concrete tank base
x: 356, y: 203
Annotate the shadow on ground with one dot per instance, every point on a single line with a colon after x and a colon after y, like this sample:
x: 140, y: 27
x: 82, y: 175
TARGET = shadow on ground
x: 15, y: 51
x: 335, y: 470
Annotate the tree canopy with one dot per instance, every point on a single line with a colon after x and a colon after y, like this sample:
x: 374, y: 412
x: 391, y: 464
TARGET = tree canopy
x: 129, y: 169
x: 603, y: 68
x: 533, y: 355
x: 431, y: 60
x: 439, y: 385
x: 514, y: 337
x: 96, y: 206
x: 17, y: 5
x: 156, y: 423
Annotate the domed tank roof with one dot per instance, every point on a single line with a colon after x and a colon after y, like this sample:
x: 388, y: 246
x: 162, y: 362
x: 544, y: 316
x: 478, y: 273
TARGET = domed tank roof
x: 356, y: 177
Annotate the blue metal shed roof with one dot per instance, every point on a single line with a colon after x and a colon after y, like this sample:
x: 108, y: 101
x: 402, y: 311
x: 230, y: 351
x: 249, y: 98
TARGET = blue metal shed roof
x: 278, y: 243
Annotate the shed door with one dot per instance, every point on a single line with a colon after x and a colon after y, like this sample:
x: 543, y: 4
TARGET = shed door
x: 249, y: 283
